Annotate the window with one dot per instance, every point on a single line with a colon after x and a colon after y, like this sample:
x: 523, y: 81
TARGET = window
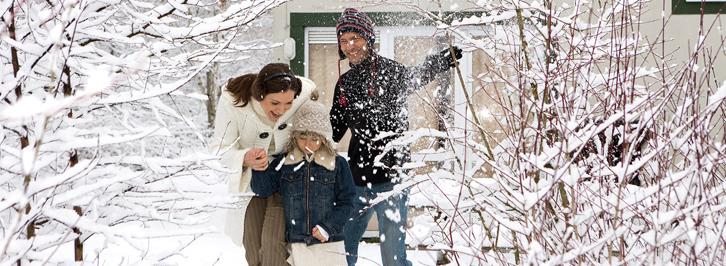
x: 693, y: 7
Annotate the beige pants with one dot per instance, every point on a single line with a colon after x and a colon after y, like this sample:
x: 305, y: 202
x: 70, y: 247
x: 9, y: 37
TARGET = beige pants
x: 325, y: 254
x: 264, y: 232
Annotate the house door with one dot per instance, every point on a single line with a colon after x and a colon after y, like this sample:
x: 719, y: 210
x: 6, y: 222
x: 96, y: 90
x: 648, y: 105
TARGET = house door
x: 445, y: 99
x: 409, y: 46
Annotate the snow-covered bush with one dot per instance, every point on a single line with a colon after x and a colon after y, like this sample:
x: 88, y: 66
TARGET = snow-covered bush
x: 93, y: 140
x: 602, y: 147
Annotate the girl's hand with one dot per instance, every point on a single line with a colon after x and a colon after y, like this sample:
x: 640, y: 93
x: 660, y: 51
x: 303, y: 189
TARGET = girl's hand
x: 317, y: 235
x: 256, y: 158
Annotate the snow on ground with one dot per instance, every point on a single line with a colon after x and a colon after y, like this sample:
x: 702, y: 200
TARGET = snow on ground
x: 372, y: 255
x: 208, y: 249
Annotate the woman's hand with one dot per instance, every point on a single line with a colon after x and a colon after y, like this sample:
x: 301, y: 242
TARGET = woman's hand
x: 256, y: 158
x: 319, y: 236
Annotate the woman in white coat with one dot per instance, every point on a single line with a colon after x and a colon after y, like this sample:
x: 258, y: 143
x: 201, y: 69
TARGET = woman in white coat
x: 252, y: 121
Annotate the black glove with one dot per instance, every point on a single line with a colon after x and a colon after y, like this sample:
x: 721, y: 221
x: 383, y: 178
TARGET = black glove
x: 446, y: 55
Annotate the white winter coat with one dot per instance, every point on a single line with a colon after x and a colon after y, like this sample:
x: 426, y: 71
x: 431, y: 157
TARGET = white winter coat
x: 236, y: 131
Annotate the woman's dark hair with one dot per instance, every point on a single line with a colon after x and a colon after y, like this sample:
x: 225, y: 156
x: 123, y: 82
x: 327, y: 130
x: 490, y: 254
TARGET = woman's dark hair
x: 273, y: 78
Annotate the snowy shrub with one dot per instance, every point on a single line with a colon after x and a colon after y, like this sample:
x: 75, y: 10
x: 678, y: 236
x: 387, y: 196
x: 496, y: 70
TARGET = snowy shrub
x: 600, y: 147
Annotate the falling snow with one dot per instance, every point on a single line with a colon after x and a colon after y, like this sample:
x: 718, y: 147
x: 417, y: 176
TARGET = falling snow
x: 585, y: 149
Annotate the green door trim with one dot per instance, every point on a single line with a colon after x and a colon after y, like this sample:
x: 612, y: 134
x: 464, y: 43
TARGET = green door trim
x: 300, y: 21
x: 681, y: 7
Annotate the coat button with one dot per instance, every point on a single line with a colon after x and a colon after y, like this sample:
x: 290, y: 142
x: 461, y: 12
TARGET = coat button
x: 264, y: 135
x: 281, y: 127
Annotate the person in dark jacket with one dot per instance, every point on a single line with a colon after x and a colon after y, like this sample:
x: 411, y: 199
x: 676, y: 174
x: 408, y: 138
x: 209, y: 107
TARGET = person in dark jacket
x: 370, y: 99
x: 316, y: 187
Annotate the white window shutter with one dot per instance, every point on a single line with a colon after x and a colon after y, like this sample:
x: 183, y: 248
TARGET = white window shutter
x: 325, y: 35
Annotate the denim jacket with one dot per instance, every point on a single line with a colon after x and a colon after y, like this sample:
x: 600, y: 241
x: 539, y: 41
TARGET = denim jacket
x: 312, y: 195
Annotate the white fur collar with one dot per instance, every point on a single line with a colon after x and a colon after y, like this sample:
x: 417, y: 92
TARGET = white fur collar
x: 322, y: 158
x: 257, y: 107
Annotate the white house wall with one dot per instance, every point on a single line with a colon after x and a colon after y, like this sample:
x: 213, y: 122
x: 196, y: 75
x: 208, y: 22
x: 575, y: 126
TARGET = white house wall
x: 680, y: 30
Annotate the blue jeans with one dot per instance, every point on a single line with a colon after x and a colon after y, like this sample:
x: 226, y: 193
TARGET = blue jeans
x: 392, y: 232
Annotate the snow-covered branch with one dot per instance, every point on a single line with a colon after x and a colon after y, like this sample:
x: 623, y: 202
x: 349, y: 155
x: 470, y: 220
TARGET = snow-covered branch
x: 93, y: 144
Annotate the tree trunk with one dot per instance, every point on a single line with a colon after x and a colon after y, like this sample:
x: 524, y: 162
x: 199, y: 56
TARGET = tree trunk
x: 77, y: 244
x: 210, y: 86
x: 211, y: 89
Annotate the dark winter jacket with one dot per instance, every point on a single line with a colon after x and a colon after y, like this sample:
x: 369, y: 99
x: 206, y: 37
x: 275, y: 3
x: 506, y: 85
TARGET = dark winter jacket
x: 371, y: 99
x: 311, y: 195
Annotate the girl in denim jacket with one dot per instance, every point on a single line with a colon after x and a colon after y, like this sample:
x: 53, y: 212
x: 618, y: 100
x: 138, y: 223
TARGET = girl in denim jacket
x: 317, y: 189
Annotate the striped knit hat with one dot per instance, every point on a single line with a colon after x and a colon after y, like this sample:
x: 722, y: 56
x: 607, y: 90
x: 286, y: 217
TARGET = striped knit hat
x: 353, y: 20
